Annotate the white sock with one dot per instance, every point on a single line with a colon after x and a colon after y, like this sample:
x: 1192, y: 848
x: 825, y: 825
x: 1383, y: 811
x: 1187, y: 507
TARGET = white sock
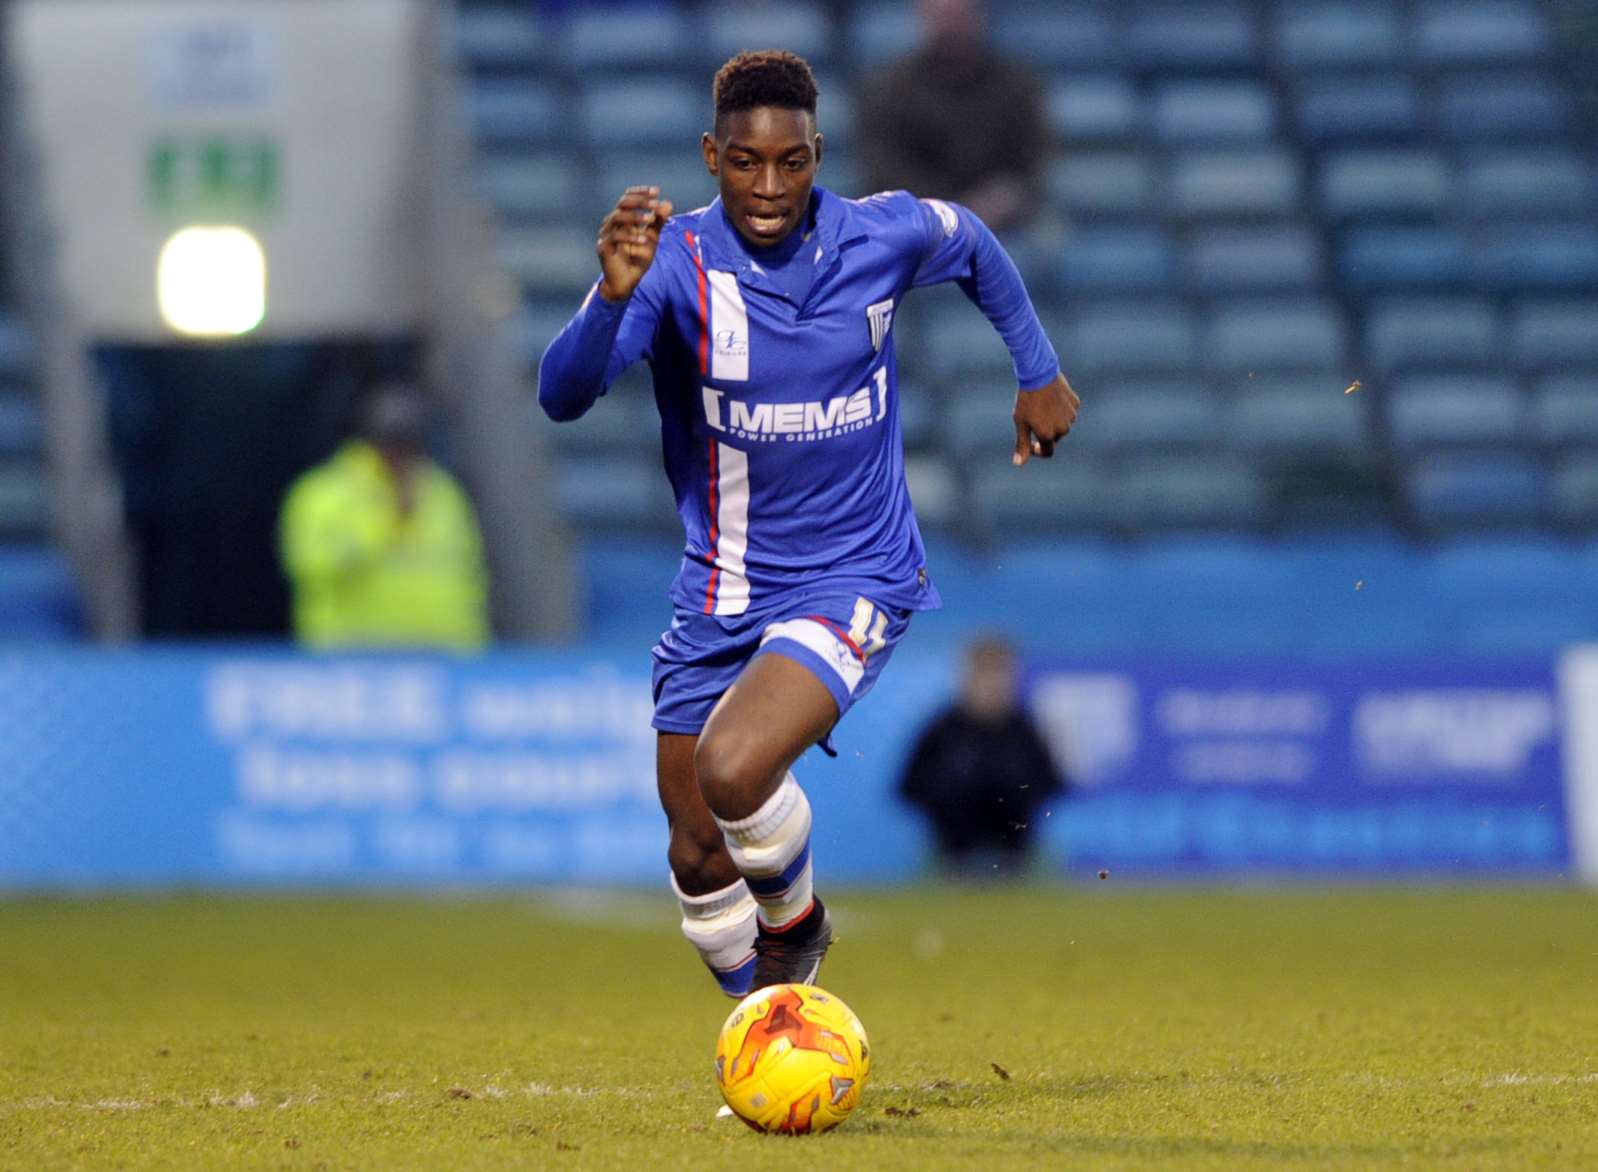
x: 722, y: 926
x: 771, y: 849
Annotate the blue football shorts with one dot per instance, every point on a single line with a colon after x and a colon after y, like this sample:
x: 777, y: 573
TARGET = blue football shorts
x: 844, y: 639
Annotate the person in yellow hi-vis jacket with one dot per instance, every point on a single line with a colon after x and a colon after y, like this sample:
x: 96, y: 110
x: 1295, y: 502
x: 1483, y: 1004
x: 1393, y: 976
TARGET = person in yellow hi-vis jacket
x: 381, y: 544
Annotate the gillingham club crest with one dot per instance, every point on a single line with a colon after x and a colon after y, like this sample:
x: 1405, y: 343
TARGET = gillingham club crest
x: 880, y: 316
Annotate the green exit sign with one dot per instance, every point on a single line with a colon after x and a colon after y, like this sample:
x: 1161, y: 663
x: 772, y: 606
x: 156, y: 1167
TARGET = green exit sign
x: 213, y: 175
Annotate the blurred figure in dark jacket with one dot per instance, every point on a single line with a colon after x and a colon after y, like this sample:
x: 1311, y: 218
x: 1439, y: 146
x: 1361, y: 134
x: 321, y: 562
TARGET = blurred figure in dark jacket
x: 955, y: 120
x: 980, y: 769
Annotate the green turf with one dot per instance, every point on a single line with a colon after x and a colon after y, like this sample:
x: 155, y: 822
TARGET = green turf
x: 1424, y: 1029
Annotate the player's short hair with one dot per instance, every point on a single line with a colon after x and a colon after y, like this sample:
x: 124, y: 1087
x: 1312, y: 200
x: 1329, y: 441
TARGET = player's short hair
x: 766, y: 77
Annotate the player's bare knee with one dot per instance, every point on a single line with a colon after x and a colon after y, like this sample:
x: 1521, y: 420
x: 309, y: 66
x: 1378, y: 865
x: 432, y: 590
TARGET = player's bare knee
x: 730, y: 778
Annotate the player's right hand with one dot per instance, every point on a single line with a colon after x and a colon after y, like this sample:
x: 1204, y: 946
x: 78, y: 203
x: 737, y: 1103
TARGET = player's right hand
x: 628, y: 238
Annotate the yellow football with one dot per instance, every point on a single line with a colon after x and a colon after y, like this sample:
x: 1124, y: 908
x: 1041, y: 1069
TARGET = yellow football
x: 792, y: 1059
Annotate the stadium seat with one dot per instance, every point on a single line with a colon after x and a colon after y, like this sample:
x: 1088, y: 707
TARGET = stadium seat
x: 1144, y: 336
x: 976, y: 422
x: 1196, y: 35
x: 1526, y: 184
x: 499, y: 37
x: 1475, y: 108
x: 24, y: 498
x: 1544, y: 256
x: 1275, y: 334
x: 1575, y: 490
x: 1564, y: 409
x: 1183, y: 113
x: 600, y: 41
x: 552, y: 261
x: 1233, y: 184
x: 1144, y: 414
x: 1447, y: 490
x: 614, y: 492
x: 680, y: 175
x: 16, y: 350
x: 1191, y: 492
x: 645, y: 112
x: 796, y: 25
x: 1238, y: 260
x: 1056, y: 33
x: 836, y: 116
x: 960, y: 344
x: 1403, y: 258
x: 1117, y: 259
x: 38, y: 595
x: 1339, y: 35
x: 1434, y: 410
x: 542, y: 186
x: 1102, y: 184
x: 1547, y: 332
x: 513, y: 112
x: 1476, y: 32
x: 934, y: 490
x: 1385, y: 184
x: 1092, y: 108
x: 1302, y: 414
x: 1432, y: 331
x: 21, y: 426
x: 1359, y: 109
x: 624, y: 421
x: 1046, y: 494
x: 918, y: 414
x: 880, y: 33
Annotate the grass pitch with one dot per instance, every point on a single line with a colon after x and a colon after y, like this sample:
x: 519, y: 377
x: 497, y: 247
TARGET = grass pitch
x: 1089, y: 1028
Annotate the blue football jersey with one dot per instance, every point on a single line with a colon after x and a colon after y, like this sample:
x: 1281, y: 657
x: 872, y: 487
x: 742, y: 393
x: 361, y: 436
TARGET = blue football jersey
x: 780, y: 420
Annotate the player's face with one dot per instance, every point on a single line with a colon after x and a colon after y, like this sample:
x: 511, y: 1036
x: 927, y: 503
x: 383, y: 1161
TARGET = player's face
x: 765, y: 162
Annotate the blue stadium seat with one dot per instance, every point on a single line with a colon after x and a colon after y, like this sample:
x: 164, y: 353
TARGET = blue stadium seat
x: 1262, y: 182
x: 1102, y: 183
x: 1454, y: 489
x: 38, y: 595
x: 598, y: 41
x: 500, y: 37
x: 1275, y: 334
x: 1056, y: 33
x: 1145, y: 414
x: 1092, y: 107
x: 1214, y: 491
x: 623, y: 421
x: 1359, y: 109
x: 1385, y: 184
x: 1146, y: 335
x: 976, y: 423
x: 1240, y: 260
x: 1550, y: 256
x: 1404, y: 258
x: 836, y: 117
x: 1575, y: 489
x: 1306, y: 414
x: 1436, y: 410
x: 1520, y: 183
x: 516, y: 112
x: 1051, y: 494
x: 545, y: 185
x: 934, y: 489
x: 800, y: 26
x: 882, y: 32
x: 959, y: 344
x: 551, y: 261
x: 1564, y: 409
x: 24, y: 498
x: 680, y: 175
x: 1190, y: 112
x: 1474, y: 32
x: 1432, y: 331
x: 539, y: 321
x: 1195, y: 35
x: 1340, y: 35
x: 614, y: 492
x: 1118, y: 259
x: 645, y: 112
x: 1475, y: 108
x: 21, y: 426
x: 1549, y: 332
x: 918, y: 415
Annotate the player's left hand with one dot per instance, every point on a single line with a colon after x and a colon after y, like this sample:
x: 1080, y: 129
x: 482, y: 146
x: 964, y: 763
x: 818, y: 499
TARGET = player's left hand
x: 1043, y: 416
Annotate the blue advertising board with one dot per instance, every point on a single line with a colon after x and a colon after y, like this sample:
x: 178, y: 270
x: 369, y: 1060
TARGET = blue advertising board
x: 222, y: 767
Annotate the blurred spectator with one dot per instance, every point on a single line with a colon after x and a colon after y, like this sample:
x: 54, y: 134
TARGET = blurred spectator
x: 980, y: 769
x: 380, y: 542
x: 957, y: 121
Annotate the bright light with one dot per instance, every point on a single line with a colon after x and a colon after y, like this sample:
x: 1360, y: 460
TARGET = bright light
x: 211, y: 282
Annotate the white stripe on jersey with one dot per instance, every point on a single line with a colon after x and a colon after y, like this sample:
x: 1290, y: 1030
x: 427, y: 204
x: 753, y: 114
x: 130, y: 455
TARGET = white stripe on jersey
x: 732, y: 529
x: 729, y: 328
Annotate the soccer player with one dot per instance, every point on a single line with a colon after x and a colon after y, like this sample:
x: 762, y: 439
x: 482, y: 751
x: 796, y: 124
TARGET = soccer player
x: 767, y: 319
